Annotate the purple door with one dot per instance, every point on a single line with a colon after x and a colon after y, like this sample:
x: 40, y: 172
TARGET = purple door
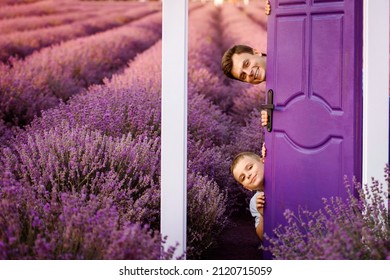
x: 314, y: 67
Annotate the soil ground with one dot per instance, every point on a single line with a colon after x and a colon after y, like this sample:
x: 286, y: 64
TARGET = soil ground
x: 237, y: 242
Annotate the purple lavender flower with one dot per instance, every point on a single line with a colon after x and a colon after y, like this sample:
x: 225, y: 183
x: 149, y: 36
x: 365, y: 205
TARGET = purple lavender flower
x: 355, y: 228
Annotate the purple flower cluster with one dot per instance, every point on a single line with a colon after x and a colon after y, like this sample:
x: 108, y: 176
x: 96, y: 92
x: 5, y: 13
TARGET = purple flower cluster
x: 76, y: 159
x: 206, y: 214
x: 355, y: 228
x: 250, y: 136
x: 6, y: 133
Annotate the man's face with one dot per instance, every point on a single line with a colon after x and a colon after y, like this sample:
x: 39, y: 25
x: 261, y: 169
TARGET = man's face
x: 249, y: 172
x: 249, y: 68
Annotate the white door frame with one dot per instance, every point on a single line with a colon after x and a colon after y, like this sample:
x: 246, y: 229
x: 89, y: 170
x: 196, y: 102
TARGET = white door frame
x: 174, y: 124
x: 375, y: 90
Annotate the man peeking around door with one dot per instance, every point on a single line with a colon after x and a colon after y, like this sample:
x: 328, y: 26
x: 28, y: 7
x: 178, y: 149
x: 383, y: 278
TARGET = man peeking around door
x: 248, y: 65
x: 245, y: 64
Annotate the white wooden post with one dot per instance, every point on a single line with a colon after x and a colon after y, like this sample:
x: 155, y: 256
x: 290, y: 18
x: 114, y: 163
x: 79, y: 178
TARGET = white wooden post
x: 375, y: 89
x: 174, y: 123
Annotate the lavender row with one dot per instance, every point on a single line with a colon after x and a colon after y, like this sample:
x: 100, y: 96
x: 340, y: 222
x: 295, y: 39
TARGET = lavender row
x: 206, y: 81
x: 239, y: 27
x: 203, y: 44
x: 38, y: 8
x: 21, y: 44
x: 34, y: 22
x: 56, y: 73
x: 51, y: 7
x: 17, y: 2
x: 256, y: 12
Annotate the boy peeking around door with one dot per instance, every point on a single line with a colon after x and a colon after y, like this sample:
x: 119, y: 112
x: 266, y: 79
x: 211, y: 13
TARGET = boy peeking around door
x: 247, y: 169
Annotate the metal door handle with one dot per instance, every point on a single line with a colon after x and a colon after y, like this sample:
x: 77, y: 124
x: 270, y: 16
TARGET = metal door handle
x: 269, y: 106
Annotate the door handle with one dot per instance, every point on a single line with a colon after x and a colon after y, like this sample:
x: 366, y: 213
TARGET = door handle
x: 269, y: 106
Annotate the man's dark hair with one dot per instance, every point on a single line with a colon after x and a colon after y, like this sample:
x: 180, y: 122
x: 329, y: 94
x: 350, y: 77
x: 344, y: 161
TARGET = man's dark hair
x: 227, y: 63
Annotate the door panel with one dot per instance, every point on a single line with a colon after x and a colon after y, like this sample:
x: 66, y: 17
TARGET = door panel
x: 314, y: 67
x: 290, y: 63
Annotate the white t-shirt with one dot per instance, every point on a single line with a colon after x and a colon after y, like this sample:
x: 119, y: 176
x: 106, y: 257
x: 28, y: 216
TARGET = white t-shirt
x: 253, y: 209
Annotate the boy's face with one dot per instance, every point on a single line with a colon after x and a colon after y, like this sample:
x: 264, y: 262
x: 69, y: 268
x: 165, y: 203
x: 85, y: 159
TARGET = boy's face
x: 249, y: 172
x: 249, y: 68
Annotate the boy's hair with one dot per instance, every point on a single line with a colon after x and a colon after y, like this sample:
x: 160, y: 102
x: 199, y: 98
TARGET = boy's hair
x: 240, y: 156
x: 227, y: 62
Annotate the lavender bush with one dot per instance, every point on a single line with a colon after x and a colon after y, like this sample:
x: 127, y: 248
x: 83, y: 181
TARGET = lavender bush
x: 94, y: 184
x: 355, y: 228
x: 250, y: 136
x: 75, y: 159
x: 206, y: 214
x: 81, y: 195
x: 6, y: 133
x: 52, y: 225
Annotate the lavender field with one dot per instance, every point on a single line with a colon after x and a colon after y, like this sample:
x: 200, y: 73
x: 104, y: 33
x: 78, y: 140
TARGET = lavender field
x: 80, y: 98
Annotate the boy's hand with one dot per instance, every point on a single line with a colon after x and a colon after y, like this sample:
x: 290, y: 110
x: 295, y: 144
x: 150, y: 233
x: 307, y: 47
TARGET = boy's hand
x: 263, y: 152
x: 260, y: 201
x: 264, y: 117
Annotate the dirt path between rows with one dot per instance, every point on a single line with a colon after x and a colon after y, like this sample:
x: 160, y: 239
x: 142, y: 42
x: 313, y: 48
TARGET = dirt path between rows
x: 238, y: 242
